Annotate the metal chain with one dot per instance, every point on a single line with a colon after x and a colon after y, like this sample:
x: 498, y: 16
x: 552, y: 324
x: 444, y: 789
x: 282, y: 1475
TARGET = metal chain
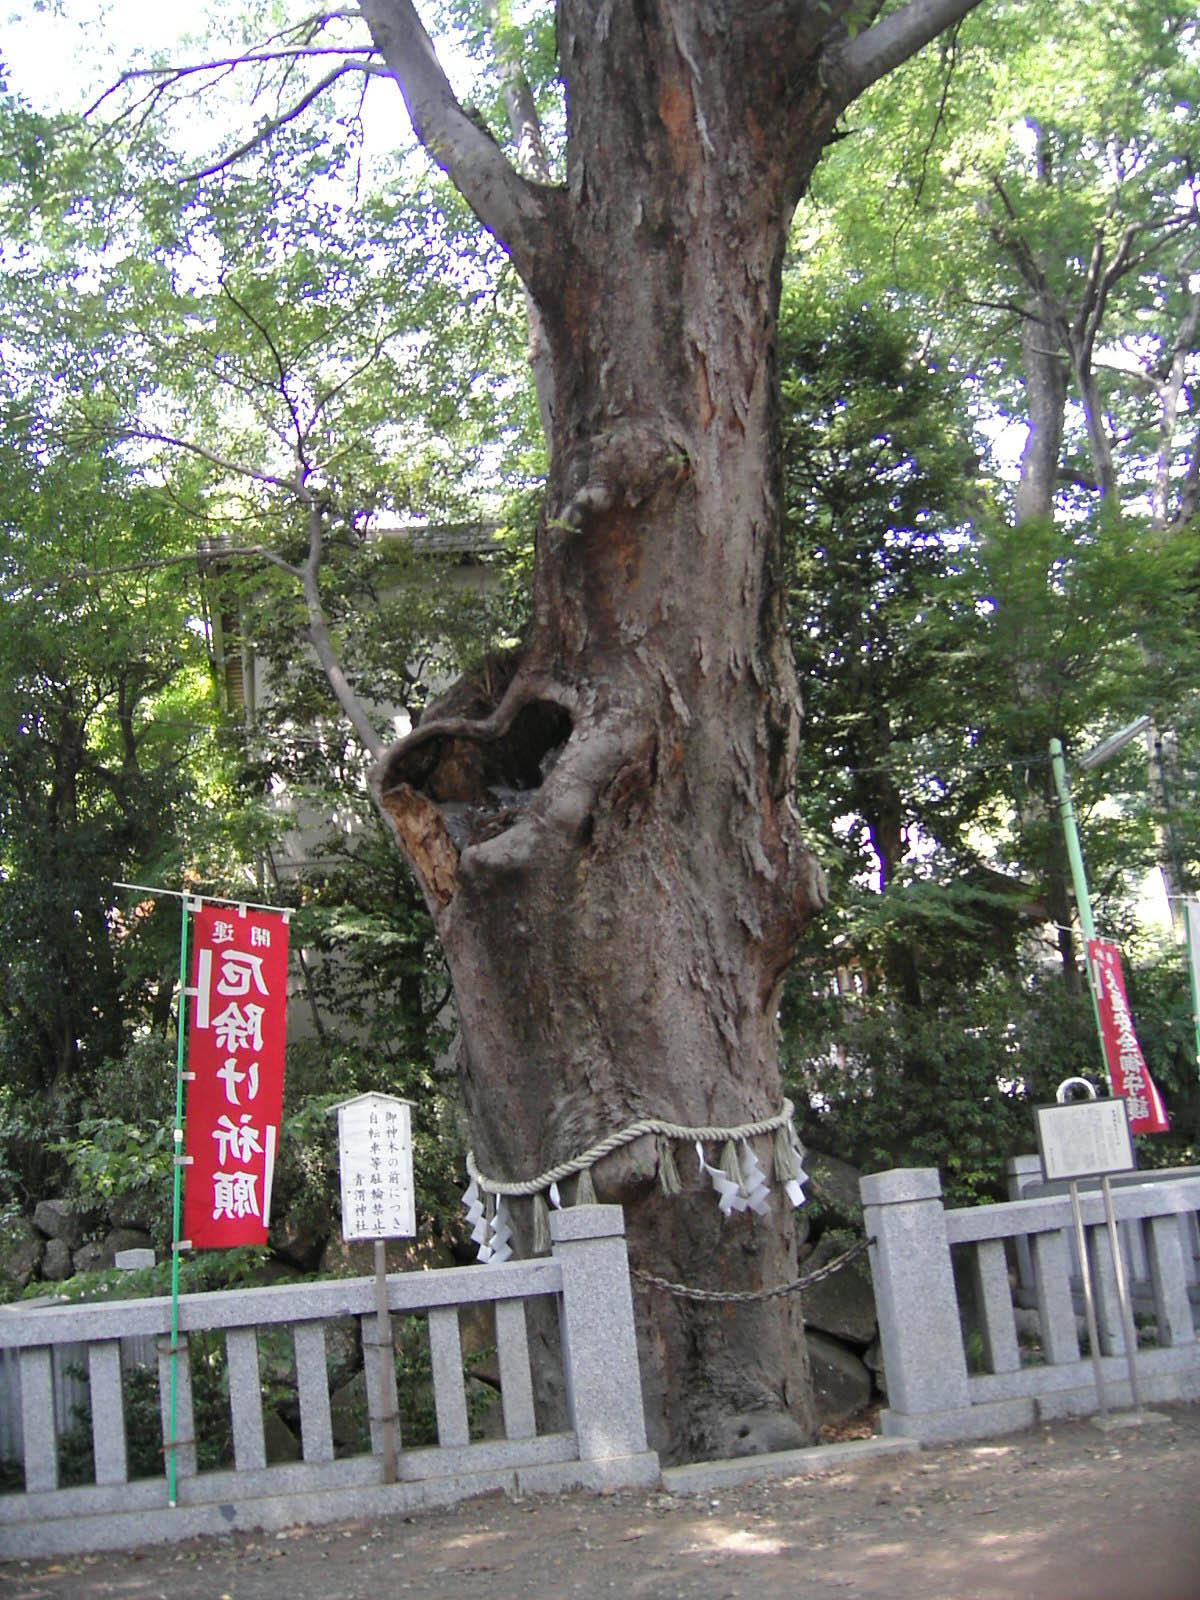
x: 740, y: 1295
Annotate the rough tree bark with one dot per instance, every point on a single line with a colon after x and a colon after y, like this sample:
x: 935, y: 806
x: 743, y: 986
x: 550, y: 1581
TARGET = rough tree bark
x: 602, y: 824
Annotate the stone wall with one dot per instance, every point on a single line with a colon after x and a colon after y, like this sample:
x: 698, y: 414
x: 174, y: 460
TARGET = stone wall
x: 58, y: 1241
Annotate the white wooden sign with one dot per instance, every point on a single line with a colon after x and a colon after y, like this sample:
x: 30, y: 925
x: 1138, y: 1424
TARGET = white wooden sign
x: 375, y: 1156
x: 1085, y: 1139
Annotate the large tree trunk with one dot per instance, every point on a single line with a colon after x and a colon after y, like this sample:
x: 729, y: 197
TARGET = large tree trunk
x: 602, y: 825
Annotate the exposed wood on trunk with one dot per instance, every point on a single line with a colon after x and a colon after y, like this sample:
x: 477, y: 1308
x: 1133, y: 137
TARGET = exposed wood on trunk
x: 426, y: 841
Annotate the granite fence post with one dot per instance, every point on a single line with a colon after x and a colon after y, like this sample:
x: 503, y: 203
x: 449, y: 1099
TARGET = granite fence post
x: 919, y: 1328
x: 1021, y: 1172
x: 600, y: 1362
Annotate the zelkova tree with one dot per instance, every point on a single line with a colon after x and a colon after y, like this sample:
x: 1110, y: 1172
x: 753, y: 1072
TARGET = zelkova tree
x: 602, y: 823
x: 601, y: 820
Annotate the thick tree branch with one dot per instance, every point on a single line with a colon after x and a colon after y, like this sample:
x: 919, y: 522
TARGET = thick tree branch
x: 796, y: 28
x: 533, y: 162
x: 319, y: 638
x: 514, y: 210
x: 532, y: 159
x: 851, y: 66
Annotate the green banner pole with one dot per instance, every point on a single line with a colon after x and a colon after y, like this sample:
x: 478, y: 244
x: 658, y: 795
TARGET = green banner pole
x: 176, y: 1196
x: 1079, y: 880
x: 1191, y: 939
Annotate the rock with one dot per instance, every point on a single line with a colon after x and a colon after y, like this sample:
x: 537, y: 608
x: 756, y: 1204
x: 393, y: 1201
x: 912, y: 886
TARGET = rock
x: 58, y: 1219
x: 135, y: 1210
x: 56, y: 1260
x: 759, y: 1433
x: 477, y: 1328
x: 485, y: 1407
x: 91, y: 1258
x: 340, y: 1259
x: 843, y: 1305
x: 343, y: 1351
x: 348, y: 1415
x: 841, y: 1380
x: 835, y: 1188
x: 281, y: 1443
x: 21, y: 1251
x: 300, y: 1244
x: 356, y: 1258
x: 873, y: 1360
x: 119, y: 1240
x: 1028, y: 1324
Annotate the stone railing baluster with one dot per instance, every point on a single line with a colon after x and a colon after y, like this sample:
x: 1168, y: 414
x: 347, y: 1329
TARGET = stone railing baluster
x: 446, y: 1364
x: 245, y: 1399
x: 516, y: 1382
x: 108, y: 1416
x: 312, y: 1385
x: 994, y: 1298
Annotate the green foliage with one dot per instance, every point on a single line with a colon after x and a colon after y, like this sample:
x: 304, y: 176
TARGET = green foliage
x: 940, y: 648
x: 143, y: 1418
x: 213, y: 363
x: 947, y: 1085
x: 22, y: 1134
x: 116, y: 1160
x: 874, y: 454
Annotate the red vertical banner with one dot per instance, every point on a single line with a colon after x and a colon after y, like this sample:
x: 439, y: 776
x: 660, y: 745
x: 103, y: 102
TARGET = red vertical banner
x: 1127, y: 1070
x: 235, y: 1059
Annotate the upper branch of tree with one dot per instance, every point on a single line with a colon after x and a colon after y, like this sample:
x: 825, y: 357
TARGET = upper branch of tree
x: 532, y: 162
x: 327, y: 396
x: 280, y: 368
x: 152, y: 436
x: 850, y: 66
x: 197, y: 558
x: 516, y: 211
x: 523, y: 120
x: 164, y: 78
x: 1078, y: 480
x: 1010, y: 306
x: 270, y: 125
x: 1016, y: 245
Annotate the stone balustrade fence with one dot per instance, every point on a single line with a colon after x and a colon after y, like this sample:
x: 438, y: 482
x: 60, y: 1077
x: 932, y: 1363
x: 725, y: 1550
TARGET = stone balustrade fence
x: 949, y: 1285
x: 584, y: 1282
x: 979, y: 1325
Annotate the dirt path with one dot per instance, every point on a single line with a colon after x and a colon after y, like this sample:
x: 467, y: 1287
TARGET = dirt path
x: 1062, y: 1513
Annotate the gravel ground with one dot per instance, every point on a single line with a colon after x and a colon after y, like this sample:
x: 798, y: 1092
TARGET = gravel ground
x: 1064, y: 1512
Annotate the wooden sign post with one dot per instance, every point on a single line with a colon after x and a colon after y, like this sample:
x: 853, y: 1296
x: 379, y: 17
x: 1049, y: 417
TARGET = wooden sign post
x: 378, y: 1203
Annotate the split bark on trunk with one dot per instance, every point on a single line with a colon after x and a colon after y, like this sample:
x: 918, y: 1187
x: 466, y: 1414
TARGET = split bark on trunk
x: 602, y: 823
